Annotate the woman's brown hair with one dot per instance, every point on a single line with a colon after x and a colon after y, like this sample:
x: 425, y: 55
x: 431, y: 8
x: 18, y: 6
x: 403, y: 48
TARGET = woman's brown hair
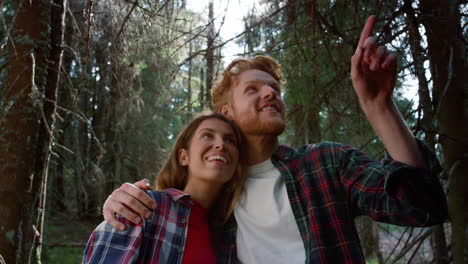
x: 174, y: 175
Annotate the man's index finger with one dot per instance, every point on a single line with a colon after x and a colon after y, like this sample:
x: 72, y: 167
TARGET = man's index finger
x: 367, y: 30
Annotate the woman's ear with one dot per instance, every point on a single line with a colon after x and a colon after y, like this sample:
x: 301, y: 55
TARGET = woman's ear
x: 183, y: 157
x: 226, y: 111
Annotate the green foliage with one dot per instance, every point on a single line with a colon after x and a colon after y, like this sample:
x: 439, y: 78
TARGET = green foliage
x: 372, y: 261
x: 124, y: 93
x: 122, y: 99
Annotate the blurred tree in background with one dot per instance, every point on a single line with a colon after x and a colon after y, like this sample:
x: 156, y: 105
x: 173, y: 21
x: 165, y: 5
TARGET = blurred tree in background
x: 93, y: 93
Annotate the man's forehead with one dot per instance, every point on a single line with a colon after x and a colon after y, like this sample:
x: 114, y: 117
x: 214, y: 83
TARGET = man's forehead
x: 252, y: 76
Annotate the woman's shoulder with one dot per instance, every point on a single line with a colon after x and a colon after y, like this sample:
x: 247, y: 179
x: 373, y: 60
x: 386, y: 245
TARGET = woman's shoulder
x: 167, y: 195
x: 158, y: 196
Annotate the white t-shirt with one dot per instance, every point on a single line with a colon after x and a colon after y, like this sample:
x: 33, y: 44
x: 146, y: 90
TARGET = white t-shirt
x: 266, y: 229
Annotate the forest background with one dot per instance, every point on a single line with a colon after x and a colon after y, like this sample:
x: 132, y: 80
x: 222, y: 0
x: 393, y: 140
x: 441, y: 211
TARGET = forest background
x: 93, y: 93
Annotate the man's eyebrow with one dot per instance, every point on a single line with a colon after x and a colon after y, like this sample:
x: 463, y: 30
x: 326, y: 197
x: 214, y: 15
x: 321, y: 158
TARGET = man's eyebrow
x: 269, y: 82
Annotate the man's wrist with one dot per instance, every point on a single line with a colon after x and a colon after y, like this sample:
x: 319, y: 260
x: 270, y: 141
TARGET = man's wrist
x: 376, y: 110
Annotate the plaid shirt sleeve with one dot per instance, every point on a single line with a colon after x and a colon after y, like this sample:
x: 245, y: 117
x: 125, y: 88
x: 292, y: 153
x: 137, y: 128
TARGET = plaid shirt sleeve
x: 160, y: 239
x: 109, y: 245
x: 390, y: 191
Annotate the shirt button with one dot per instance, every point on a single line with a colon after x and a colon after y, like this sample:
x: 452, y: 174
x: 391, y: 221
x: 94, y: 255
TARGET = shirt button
x: 183, y: 221
x: 180, y: 251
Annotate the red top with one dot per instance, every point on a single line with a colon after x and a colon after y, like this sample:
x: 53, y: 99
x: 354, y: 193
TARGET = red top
x: 198, y: 247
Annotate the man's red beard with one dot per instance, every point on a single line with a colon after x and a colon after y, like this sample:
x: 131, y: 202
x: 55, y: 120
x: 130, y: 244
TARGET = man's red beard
x: 261, y: 127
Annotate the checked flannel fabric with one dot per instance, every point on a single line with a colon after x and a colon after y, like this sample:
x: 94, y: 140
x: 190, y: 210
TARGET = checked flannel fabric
x: 329, y: 184
x: 163, y: 236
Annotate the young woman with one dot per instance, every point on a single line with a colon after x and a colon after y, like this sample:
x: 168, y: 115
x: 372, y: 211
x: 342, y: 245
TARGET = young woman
x: 197, y: 190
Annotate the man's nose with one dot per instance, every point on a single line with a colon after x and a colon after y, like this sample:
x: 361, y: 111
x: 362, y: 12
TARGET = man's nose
x: 269, y: 92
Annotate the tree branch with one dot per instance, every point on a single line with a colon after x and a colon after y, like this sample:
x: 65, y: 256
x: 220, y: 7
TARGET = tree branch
x: 125, y: 20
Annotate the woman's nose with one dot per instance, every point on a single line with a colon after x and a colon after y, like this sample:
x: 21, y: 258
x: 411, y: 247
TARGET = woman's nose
x: 219, y: 144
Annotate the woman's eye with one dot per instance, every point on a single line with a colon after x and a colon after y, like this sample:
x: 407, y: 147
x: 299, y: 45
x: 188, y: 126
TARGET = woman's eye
x: 207, y: 136
x: 230, y: 141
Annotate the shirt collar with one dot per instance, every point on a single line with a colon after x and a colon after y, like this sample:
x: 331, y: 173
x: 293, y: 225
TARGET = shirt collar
x: 284, y: 152
x: 179, y: 196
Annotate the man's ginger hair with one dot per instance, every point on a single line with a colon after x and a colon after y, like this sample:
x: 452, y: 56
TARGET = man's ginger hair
x: 221, y: 92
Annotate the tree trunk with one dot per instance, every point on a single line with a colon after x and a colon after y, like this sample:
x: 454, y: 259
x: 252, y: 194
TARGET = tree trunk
x: 18, y: 132
x: 417, y: 51
x: 447, y: 52
x: 209, y: 55
x: 297, y: 117
x: 189, y: 83
x: 64, y: 100
x: 77, y: 167
x: 58, y: 199
x: 426, y: 122
x: 201, y: 96
x: 46, y: 138
x: 99, y: 107
x: 113, y: 134
x: 81, y: 142
x: 312, y: 117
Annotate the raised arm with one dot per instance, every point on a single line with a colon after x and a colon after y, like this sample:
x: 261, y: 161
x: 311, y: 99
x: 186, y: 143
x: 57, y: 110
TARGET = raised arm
x: 373, y: 73
x: 129, y: 201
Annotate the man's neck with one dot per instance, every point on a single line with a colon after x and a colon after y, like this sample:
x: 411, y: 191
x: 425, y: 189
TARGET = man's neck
x: 260, y: 148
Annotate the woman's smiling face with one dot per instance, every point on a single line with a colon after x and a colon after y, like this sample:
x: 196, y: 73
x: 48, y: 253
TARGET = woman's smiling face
x: 213, y: 152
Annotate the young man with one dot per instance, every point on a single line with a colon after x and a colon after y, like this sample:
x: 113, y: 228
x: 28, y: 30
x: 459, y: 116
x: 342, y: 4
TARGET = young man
x: 299, y: 204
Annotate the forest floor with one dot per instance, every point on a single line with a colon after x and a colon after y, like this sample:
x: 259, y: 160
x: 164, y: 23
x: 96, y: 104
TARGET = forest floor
x: 65, y: 240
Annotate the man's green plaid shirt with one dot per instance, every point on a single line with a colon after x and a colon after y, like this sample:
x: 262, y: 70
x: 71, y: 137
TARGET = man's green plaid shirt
x: 329, y: 184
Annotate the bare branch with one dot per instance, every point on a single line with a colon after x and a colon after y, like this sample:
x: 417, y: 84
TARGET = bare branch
x: 125, y: 20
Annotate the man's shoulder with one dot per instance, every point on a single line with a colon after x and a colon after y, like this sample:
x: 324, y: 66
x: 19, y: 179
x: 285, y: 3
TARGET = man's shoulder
x: 307, y: 159
x: 306, y: 150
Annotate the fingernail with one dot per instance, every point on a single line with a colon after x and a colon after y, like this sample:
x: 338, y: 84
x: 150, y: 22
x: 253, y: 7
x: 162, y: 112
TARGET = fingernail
x: 137, y: 220
x: 122, y: 228
x: 147, y: 215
